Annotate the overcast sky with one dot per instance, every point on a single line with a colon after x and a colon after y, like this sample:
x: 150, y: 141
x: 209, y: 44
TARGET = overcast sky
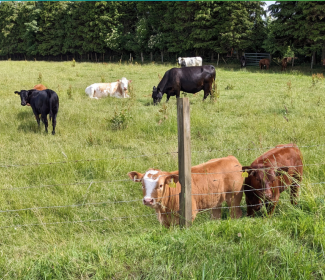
x: 268, y: 3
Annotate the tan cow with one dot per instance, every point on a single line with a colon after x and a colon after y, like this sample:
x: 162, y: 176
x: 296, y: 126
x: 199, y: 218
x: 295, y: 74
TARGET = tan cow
x: 213, y: 182
x: 39, y: 87
x: 117, y: 89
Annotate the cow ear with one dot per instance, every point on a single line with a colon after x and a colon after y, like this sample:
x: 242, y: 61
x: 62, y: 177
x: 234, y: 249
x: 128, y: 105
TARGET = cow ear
x: 17, y: 92
x: 130, y: 81
x: 248, y: 169
x: 117, y: 80
x: 281, y: 170
x: 135, y: 176
x: 170, y: 178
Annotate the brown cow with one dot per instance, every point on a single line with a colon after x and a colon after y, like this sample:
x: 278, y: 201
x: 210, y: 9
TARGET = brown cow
x: 264, y: 62
x: 39, y: 87
x: 284, y: 63
x: 267, y: 179
x: 210, y: 181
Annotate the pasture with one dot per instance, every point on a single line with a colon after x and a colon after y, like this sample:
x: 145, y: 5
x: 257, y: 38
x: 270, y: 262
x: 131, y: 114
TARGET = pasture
x: 102, y: 230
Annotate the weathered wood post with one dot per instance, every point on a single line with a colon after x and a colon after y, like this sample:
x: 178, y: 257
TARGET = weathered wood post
x: 184, y: 161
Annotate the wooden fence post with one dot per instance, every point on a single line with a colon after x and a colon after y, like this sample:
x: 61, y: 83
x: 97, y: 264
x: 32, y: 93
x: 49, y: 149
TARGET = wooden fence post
x: 184, y: 161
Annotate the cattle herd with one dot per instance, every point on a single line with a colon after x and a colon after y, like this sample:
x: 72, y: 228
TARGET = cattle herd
x: 225, y: 179
x: 213, y: 182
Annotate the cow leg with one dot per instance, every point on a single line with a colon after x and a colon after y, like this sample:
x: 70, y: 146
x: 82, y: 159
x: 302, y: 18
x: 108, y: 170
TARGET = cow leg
x: 44, y: 120
x: 216, y: 213
x: 37, y: 119
x: 53, y: 124
x: 294, y: 189
x: 207, y: 91
x: 233, y: 204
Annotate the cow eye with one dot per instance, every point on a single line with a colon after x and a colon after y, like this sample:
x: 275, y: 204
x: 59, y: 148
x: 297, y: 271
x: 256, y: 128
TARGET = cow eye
x: 142, y: 186
x: 161, y: 186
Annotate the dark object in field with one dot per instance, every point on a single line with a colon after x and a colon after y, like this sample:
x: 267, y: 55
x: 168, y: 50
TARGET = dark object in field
x: 272, y: 173
x: 284, y: 64
x: 43, y: 102
x: 221, y: 175
x: 188, y: 79
x: 242, y: 62
x: 265, y: 62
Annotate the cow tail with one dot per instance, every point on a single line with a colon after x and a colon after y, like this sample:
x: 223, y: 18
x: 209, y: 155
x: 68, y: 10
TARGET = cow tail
x: 50, y: 98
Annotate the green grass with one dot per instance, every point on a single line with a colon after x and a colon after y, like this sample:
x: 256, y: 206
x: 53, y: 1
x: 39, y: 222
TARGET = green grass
x: 258, y: 110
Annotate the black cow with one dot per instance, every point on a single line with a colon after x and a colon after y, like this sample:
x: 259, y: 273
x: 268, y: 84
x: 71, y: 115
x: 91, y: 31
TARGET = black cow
x: 188, y: 79
x: 43, y: 102
x: 242, y: 62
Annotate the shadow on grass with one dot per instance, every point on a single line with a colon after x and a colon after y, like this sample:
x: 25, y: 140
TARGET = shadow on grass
x: 25, y: 115
x: 30, y: 127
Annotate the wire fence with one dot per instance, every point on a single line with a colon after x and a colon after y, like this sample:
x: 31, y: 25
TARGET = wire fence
x: 6, y: 165
x: 138, y: 200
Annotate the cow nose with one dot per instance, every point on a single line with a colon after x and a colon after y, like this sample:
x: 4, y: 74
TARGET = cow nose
x: 23, y: 103
x: 148, y: 201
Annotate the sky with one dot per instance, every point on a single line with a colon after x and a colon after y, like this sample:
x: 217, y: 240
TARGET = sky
x: 268, y: 3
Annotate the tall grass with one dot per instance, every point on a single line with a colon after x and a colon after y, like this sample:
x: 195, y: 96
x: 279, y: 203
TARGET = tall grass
x: 261, y: 110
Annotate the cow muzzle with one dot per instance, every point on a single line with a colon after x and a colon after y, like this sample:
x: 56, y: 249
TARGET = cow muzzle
x: 148, y: 201
x: 23, y: 103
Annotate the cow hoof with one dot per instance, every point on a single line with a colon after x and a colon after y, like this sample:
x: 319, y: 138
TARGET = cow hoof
x: 53, y: 132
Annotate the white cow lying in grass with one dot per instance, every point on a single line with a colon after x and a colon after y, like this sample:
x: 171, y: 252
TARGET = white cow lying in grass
x: 190, y: 61
x: 117, y: 89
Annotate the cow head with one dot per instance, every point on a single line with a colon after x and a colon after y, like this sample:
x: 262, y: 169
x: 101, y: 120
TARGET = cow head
x: 24, y: 96
x: 261, y: 179
x: 156, y: 95
x: 125, y: 83
x: 154, y: 182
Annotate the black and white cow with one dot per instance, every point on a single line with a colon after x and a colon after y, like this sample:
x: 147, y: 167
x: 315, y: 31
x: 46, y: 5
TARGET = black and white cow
x: 188, y: 79
x: 43, y: 102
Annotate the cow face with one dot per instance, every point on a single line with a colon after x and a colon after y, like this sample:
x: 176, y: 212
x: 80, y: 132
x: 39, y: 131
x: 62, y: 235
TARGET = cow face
x: 262, y: 180
x: 156, y: 95
x: 153, y: 183
x: 125, y: 83
x: 24, y: 96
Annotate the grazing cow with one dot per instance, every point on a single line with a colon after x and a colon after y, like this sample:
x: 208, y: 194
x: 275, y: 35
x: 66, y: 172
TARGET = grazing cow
x: 117, y: 89
x: 265, y: 62
x: 43, y: 102
x: 270, y: 174
x: 39, y: 87
x: 212, y: 183
x: 242, y: 62
x: 188, y: 79
x: 284, y: 63
x: 190, y: 61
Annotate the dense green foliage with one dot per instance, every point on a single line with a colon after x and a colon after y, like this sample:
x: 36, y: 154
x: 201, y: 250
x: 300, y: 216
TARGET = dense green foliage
x: 52, y: 29
x: 258, y: 110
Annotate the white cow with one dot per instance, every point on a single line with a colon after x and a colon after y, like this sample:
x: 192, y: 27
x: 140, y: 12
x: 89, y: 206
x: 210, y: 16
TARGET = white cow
x: 117, y: 89
x: 190, y: 61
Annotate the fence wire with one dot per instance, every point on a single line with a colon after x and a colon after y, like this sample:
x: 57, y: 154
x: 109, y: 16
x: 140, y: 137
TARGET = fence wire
x: 5, y: 165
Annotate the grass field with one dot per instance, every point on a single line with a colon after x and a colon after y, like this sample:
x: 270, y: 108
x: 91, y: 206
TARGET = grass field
x: 255, y: 110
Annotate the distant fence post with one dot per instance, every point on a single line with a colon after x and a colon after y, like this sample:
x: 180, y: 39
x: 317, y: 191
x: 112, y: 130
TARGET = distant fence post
x: 184, y: 161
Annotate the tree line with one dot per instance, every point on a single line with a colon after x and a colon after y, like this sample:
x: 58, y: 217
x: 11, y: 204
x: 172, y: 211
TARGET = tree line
x: 159, y: 30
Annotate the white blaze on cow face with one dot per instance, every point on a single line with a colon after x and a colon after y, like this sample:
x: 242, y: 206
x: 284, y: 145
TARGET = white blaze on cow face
x: 149, y: 184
